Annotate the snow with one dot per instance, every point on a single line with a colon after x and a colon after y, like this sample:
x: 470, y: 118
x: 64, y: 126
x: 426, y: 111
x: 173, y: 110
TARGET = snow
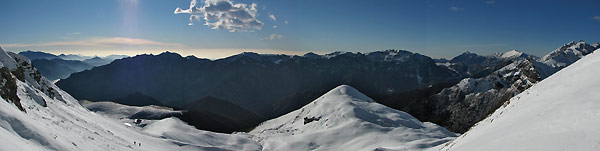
x: 175, y: 129
x: 61, y: 123
x: 567, y: 54
x: 559, y: 113
x: 511, y: 54
x: 345, y: 119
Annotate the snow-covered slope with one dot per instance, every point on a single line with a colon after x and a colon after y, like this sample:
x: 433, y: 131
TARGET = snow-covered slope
x: 559, y: 113
x: 36, y: 115
x: 345, y: 119
x: 179, y: 131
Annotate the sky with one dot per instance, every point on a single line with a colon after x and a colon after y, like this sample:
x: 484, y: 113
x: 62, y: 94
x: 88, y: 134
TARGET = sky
x: 219, y: 28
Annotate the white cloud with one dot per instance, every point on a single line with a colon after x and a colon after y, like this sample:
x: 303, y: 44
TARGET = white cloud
x: 275, y: 26
x: 113, y: 42
x: 490, y: 2
x: 456, y: 9
x: 224, y: 14
x: 272, y: 17
x: 274, y: 36
x: 285, y: 22
x: 596, y: 18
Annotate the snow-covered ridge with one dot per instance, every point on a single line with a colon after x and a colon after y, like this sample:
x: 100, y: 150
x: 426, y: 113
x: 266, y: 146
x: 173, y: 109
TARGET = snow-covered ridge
x: 559, y: 113
x: 345, y: 119
x: 182, y: 133
x: 511, y: 55
x: 568, y: 53
x: 472, y: 99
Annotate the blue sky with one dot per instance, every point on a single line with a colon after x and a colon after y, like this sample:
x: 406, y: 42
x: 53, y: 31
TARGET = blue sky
x: 437, y: 28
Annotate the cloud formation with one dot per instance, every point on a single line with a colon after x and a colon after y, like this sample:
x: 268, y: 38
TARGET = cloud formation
x: 274, y: 36
x: 224, y: 14
x: 455, y: 9
x: 596, y: 18
x: 113, y: 42
x: 490, y: 2
x: 273, y: 17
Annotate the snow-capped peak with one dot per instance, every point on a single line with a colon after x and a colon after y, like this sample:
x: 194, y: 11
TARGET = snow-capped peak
x: 6, y: 60
x: 346, y: 119
x: 511, y: 54
x: 346, y: 91
x: 567, y: 54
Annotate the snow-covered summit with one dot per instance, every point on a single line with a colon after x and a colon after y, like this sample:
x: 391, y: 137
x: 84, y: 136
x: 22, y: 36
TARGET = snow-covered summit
x: 512, y: 54
x: 559, y: 113
x: 568, y: 53
x: 345, y: 119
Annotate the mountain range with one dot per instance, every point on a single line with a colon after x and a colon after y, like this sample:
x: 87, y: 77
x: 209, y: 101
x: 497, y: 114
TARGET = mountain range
x: 456, y: 93
x: 462, y: 105
x: 56, y: 67
x: 37, y: 115
x: 537, y: 106
x: 558, y: 113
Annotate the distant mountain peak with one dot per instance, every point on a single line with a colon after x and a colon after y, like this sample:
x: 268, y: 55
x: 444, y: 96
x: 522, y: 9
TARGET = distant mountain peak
x: 170, y: 54
x: 511, y: 54
x: 468, y: 53
x: 568, y: 53
x: 244, y: 56
x: 468, y: 57
x: 32, y: 55
x: 311, y: 55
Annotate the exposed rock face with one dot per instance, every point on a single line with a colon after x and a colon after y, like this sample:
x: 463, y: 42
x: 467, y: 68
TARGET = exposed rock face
x: 8, y: 89
x: 16, y: 69
x: 469, y: 101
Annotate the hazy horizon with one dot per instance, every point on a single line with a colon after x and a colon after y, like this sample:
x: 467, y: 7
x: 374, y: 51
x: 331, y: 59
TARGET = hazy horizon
x: 441, y: 29
x: 224, y: 53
